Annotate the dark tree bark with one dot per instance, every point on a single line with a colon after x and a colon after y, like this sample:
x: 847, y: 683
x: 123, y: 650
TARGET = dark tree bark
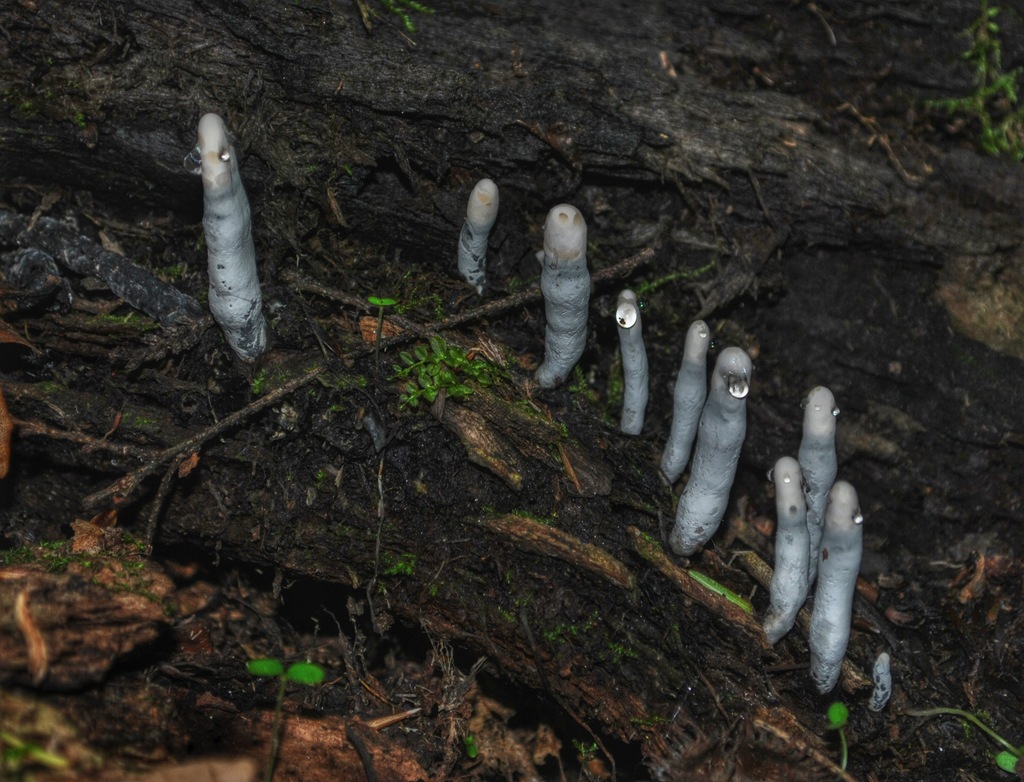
x: 779, y: 160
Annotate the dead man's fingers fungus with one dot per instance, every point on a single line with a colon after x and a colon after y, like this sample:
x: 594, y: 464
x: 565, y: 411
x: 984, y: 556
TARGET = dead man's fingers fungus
x: 565, y: 284
x: 838, y: 563
x: 635, y: 370
x: 723, y: 425
x: 789, y: 579
x: 235, y: 299
x: 481, y: 212
x: 818, y: 462
x: 688, y: 400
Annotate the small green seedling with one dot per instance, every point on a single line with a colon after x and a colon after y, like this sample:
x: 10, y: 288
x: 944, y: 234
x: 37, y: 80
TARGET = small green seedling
x: 17, y: 755
x: 709, y: 583
x: 442, y: 366
x: 470, y: 744
x: 838, y: 715
x: 1007, y: 760
x: 308, y: 674
x: 380, y: 302
x: 994, y: 105
x: 399, y: 9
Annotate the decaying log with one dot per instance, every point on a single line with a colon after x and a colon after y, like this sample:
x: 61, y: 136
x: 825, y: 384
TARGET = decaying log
x: 765, y: 153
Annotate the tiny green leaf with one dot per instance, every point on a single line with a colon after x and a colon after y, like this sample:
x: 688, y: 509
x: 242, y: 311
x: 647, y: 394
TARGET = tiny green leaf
x: 1007, y: 761
x: 305, y: 673
x: 838, y: 714
x: 381, y: 301
x: 265, y: 666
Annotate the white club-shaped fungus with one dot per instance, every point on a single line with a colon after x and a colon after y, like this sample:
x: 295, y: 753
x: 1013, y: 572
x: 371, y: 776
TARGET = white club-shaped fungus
x: 817, y: 457
x: 565, y: 284
x: 481, y: 212
x: 235, y: 299
x: 688, y: 400
x: 838, y: 563
x: 635, y: 370
x: 723, y: 425
x: 789, y: 580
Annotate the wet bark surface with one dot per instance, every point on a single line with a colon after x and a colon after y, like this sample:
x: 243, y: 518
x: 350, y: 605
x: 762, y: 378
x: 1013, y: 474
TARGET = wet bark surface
x: 770, y: 167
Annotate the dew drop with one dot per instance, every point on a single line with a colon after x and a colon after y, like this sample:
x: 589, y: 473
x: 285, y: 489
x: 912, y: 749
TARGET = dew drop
x: 703, y: 333
x: 643, y: 304
x: 817, y: 408
x: 193, y: 161
x: 626, y: 315
x: 738, y: 385
x: 787, y: 479
x: 858, y: 518
x: 835, y: 412
x: 224, y: 156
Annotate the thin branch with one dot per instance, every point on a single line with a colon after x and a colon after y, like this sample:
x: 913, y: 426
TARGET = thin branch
x: 119, y: 491
x: 621, y: 269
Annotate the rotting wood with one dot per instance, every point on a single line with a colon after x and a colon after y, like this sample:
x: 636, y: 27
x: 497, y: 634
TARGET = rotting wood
x: 722, y: 606
x: 549, y: 541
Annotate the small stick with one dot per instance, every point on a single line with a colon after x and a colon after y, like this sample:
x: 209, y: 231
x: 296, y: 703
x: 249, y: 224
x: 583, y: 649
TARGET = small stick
x: 123, y: 487
x: 120, y: 490
x: 621, y: 269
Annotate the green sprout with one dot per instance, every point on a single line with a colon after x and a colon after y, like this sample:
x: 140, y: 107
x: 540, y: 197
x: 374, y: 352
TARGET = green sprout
x: 470, y: 744
x: 427, y: 372
x: 709, y: 583
x: 838, y: 715
x: 1007, y: 759
x: 259, y: 382
x: 993, y: 104
x: 399, y: 8
x: 587, y: 752
x: 402, y: 565
x: 307, y: 674
x: 686, y: 275
x: 380, y: 302
x: 16, y: 754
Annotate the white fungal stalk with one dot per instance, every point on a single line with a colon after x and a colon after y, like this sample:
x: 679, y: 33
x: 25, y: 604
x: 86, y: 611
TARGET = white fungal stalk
x: 723, y: 425
x: 635, y: 370
x: 817, y: 457
x: 688, y: 400
x: 789, y: 580
x: 565, y: 284
x: 881, y: 676
x: 235, y: 299
x: 838, y: 563
x: 481, y: 212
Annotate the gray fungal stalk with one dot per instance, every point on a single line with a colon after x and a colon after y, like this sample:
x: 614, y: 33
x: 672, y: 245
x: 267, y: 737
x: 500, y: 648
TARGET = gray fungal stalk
x: 817, y: 457
x: 235, y: 299
x: 723, y: 425
x: 881, y: 676
x: 688, y: 400
x: 565, y: 285
x: 635, y: 370
x: 838, y: 563
x: 481, y: 212
x: 789, y: 580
